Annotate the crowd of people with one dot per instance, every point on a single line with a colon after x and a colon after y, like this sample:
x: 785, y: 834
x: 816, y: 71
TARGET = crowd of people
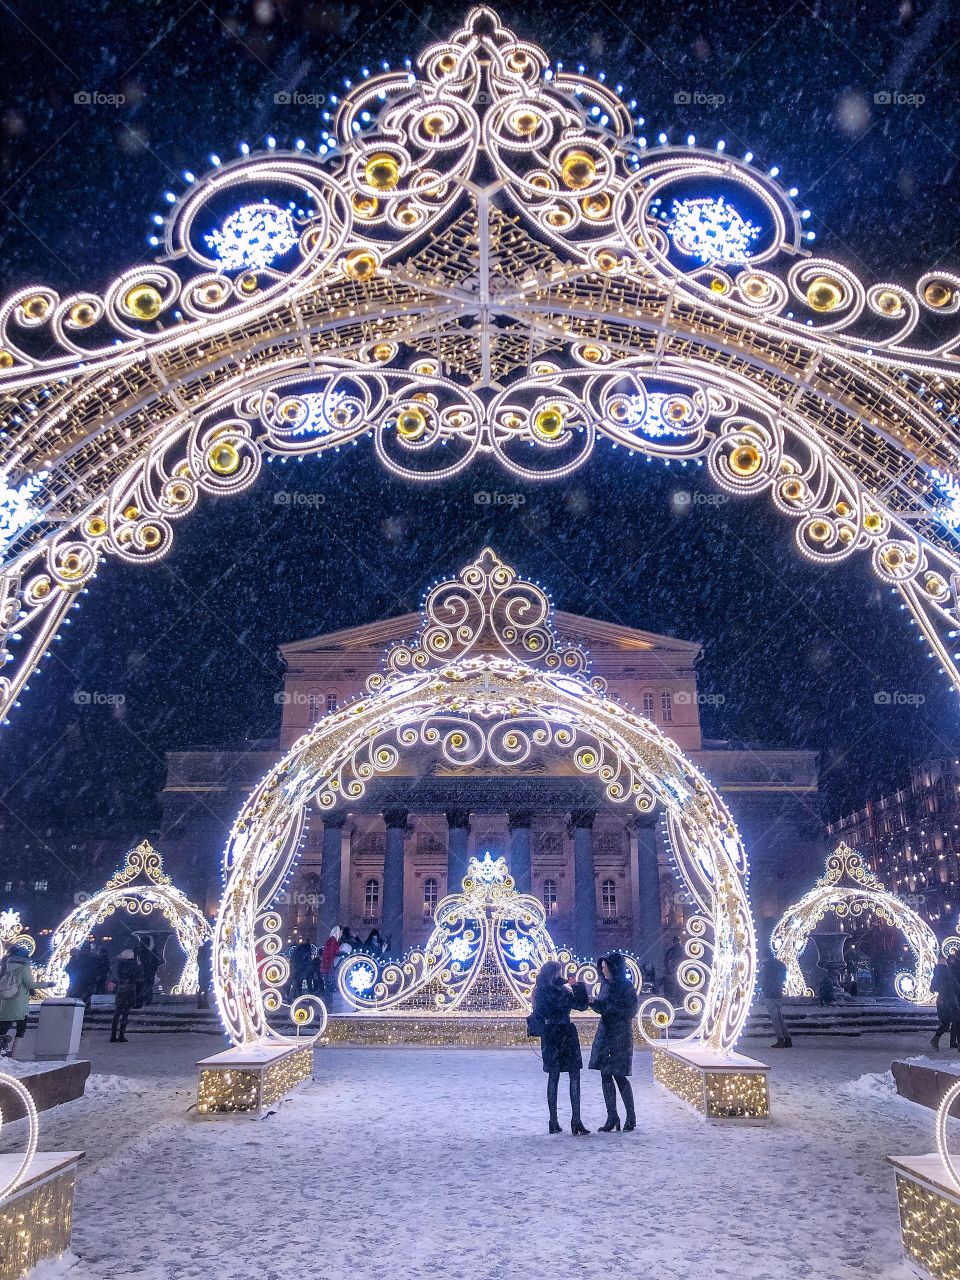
x: 313, y: 969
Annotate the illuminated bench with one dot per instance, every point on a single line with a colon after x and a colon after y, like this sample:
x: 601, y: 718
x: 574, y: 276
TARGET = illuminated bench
x: 248, y: 1079
x: 36, y: 1219
x: 719, y: 1087
x: 929, y: 1205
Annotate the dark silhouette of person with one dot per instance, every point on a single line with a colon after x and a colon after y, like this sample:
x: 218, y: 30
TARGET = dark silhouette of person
x: 612, y: 1052
x: 149, y: 964
x: 553, y: 1002
x: 130, y: 979
x: 204, y: 973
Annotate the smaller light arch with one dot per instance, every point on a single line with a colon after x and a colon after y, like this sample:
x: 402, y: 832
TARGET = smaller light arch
x: 140, y: 887
x: 848, y: 888
x: 13, y: 934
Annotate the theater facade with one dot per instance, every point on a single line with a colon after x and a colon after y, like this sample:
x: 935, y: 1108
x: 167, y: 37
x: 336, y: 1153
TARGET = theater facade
x: 541, y: 815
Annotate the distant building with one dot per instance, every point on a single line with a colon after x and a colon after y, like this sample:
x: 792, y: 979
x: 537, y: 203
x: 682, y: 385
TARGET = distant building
x: 771, y: 793
x: 911, y: 839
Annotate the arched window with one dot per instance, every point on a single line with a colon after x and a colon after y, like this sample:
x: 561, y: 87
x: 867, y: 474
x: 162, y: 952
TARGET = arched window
x: 332, y: 700
x: 371, y: 900
x: 608, y: 899
x: 431, y: 892
x: 550, y: 897
x: 666, y: 706
x: 315, y: 706
x: 648, y: 702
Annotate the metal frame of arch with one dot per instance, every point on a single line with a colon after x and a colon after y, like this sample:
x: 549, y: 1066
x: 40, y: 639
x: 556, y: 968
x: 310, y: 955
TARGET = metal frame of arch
x: 486, y: 680
x: 484, y: 253
x: 140, y: 887
x: 862, y: 892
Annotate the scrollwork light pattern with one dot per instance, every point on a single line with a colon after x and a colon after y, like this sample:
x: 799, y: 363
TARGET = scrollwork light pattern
x: 484, y: 694
x: 139, y: 887
x: 490, y: 260
x: 849, y: 890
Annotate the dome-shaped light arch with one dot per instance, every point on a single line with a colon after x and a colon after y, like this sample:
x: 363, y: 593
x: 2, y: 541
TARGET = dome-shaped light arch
x: 849, y: 889
x: 140, y: 887
x: 487, y: 680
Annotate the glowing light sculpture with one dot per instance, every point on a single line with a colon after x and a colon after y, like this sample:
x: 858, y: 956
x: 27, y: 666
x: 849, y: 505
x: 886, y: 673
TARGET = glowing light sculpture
x: 12, y: 933
x: 481, y: 270
x: 848, y: 889
x: 140, y: 887
x: 486, y: 679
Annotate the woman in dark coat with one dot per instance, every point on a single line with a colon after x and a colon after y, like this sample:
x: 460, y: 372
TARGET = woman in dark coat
x: 129, y: 985
x: 944, y: 983
x: 553, y: 1000
x: 612, y: 1052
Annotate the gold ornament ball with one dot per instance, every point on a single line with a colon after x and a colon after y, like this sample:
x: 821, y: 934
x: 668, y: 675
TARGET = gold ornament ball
x: 382, y: 171
x: 360, y: 264
x: 224, y: 458
x: 82, y: 315
x: 411, y: 423
x: 745, y: 460
x: 578, y: 169
x: 825, y: 294
x: 36, y: 307
x: 143, y: 301
x: 595, y: 206
x: 524, y: 122
x: 549, y: 421
x: 888, y: 302
x: 938, y: 293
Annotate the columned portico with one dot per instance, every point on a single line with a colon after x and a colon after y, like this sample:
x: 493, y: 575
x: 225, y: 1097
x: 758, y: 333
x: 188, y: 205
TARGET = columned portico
x: 458, y: 847
x: 647, y: 915
x: 584, y: 886
x: 521, y: 855
x: 331, y: 875
x: 395, y: 821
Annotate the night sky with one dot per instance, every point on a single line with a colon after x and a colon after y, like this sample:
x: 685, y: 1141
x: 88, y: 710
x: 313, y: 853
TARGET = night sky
x: 796, y: 653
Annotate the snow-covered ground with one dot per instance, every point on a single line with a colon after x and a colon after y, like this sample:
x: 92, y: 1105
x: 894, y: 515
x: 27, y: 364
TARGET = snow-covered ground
x: 411, y: 1164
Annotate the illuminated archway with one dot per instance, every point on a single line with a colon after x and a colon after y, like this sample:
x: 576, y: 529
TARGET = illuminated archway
x: 848, y: 889
x: 487, y: 256
x: 486, y: 679
x: 140, y: 887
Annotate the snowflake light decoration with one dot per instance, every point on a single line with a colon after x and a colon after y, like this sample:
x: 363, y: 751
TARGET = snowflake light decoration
x: 17, y: 510
x: 712, y: 230
x: 362, y: 978
x: 253, y: 237
x: 460, y: 949
x: 948, y: 487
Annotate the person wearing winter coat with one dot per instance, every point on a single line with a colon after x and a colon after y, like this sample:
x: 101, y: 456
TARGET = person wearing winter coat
x: 944, y: 983
x: 553, y: 1002
x: 129, y: 984
x: 773, y: 979
x: 16, y: 986
x: 612, y: 1052
x: 149, y: 964
x: 204, y: 973
x: 81, y: 970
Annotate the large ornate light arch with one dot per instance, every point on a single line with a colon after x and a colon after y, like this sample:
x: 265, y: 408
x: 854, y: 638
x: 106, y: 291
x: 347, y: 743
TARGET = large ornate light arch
x: 140, y: 887
x: 486, y: 679
x: 847, y: 888
x: 486, y: 253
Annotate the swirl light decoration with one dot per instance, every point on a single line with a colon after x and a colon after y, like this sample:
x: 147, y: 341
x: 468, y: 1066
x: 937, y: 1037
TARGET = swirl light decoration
x: 486, y: 680
x: 848, y: 889
x: 33, y: 1133
x: 13, y: 934
x: 483, y: 956
x: 487, y: 257
x: 139, y: 887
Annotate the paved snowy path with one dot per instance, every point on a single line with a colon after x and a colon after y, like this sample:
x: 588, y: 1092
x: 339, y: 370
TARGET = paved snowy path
x: 414, y: 1164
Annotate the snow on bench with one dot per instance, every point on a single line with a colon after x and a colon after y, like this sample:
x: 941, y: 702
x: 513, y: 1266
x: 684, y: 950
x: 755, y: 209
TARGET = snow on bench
x: 249, y: 1078
x: 37, y: 1218
x: 929, y: 1205
x: 719, y: 1087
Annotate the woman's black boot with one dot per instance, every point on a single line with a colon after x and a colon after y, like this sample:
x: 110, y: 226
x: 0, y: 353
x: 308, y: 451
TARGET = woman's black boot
x: 612, y: 1125
x: 577, y: 1128
x: 555, y: 1126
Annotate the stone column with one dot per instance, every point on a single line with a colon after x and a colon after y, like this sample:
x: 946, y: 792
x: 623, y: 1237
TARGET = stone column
x: 584, y: 884
x: 391, y: 914
x: 458, y: 847
x: 328, y: 912
x: 521, y: 861
x: 648, y: 922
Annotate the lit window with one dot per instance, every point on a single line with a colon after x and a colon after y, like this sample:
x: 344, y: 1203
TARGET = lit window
x: 40, y: 886
x: 431, y: 892
x: 315, y: 706
x: 550, y: 897
x: 608, y: 899
x: 647, y: 702
x: 371, y: 899
x: 666, y: 706
x: 7, y: 886
x: 331, y: 701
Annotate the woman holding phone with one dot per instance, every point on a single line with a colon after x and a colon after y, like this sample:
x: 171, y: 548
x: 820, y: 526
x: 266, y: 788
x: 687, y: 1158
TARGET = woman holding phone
x: 612, y: 1052
x: 553, y: 1002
